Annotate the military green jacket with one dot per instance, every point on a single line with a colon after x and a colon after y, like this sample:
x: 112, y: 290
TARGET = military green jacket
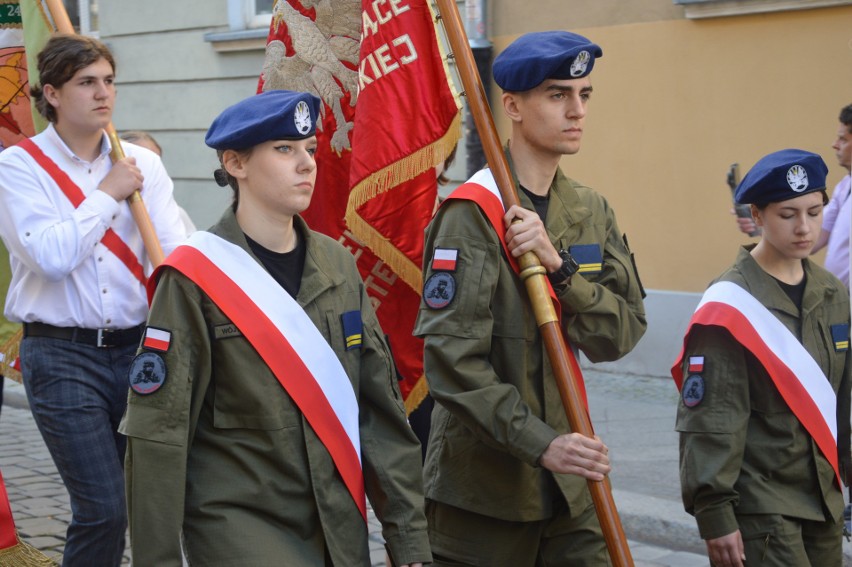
x: 497, y: 406
x: 742, y: 450
x: 222, y: 452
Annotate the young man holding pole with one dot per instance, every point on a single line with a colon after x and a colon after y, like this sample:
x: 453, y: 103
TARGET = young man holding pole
x: 78, y: 282
x: 505, y: 478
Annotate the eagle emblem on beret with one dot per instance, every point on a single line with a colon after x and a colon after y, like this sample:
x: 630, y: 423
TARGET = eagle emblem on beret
x: 580, y: 63
x: 797, y: 178
x: 302, y: 117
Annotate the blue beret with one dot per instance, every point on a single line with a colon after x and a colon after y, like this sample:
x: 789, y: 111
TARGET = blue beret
x: 272, y: 115
x: 535, y: 57
x: 780, y: 176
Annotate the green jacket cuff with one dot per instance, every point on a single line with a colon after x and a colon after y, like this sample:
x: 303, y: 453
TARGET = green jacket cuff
x: 716, y: 521
x: 533, y: 441
x: 411, y: 547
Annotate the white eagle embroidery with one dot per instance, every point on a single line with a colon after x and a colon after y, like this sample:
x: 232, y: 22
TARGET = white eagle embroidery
x: 580, y: 63
x: 797, y: 178
x: 320, y: 47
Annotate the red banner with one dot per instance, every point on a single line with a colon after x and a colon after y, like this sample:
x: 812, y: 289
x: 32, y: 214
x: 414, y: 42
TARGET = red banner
x: 407, y: 123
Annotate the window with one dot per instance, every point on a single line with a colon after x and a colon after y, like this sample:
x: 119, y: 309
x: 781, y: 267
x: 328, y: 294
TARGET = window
x: 248, y: 23
x: 259, y: 13
x: 83, y: 15
x: 695, y: 9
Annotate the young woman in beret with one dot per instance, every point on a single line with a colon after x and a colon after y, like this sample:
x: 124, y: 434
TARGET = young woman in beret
x: 765, y: 385
x: 264, y: 403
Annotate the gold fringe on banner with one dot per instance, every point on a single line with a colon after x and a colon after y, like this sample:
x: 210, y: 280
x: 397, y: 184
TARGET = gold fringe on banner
x: 417, y: 394
x: 387, y: 179
x: 9, y: 351
x: 23, y: 554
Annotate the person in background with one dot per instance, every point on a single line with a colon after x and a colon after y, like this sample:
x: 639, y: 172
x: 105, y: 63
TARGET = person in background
x: 265, y: 403
x: 837, y: 217
x: 78, y: 282
x: 146, y: 140
x: 765, y: 379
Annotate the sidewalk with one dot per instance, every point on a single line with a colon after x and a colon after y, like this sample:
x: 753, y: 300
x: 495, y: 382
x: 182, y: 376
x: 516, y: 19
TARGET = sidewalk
x: 634, y: 415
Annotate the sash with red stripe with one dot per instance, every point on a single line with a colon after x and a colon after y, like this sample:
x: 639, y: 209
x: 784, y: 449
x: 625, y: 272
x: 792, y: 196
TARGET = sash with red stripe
x: 483, y: 190
x: 798, y: 377
x: 74, y: 194
x: 287, y: 341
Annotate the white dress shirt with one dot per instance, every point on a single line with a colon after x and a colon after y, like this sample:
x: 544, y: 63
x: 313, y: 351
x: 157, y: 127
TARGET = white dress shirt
x: 62, y: 274
x: 837, y: 220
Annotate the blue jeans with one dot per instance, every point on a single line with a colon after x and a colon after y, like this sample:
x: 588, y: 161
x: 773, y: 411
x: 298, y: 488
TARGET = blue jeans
x: 78, y: 394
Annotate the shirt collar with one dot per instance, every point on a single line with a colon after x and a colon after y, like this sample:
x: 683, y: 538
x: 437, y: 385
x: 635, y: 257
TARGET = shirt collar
x: 53, y: 135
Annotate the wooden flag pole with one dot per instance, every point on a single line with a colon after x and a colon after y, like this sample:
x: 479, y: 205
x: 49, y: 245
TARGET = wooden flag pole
x: 137, y: 206
x: 534, y: 276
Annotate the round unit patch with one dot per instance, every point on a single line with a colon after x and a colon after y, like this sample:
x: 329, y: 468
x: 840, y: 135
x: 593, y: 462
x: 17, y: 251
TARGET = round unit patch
x: 147, y: 373
x: 693, y: 391
x: 439, y: 290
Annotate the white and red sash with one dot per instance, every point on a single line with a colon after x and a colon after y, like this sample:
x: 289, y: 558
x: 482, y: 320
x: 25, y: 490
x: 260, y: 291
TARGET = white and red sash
x: 798, y: 377
x: 286, y: 339
x: 483, y: 190
x: 74, y: 194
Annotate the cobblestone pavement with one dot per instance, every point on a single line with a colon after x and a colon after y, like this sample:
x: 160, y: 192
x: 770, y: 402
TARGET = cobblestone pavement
x: 42, y: 512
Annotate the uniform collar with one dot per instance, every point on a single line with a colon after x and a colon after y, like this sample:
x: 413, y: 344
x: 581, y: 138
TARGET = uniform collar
x: 315, y: 278
x: 565, y: 208
x: 819, y: 287
x: 319, y: 274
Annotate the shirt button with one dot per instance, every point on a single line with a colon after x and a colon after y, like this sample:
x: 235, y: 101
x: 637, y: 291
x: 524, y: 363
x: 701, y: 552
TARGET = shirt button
x: 100, y: 258
x: 108, y: 321
x: 104, y: 290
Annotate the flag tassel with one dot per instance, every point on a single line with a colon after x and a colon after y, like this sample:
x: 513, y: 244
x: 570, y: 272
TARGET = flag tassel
x: 23, y: 554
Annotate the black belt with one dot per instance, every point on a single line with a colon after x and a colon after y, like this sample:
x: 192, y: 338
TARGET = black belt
x: 102, y: 338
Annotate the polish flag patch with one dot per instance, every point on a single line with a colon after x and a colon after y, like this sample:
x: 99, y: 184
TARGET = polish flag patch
x: 696, y: 364
x: 157, y: 339
x: 445, y: 259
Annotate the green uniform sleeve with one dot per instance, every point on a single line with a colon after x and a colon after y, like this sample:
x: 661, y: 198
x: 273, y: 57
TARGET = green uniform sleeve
x: 459, y: 359
x: 159, y: 426
x: 391, y: 453
x: 713, y: 432
x: 605, y: 316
